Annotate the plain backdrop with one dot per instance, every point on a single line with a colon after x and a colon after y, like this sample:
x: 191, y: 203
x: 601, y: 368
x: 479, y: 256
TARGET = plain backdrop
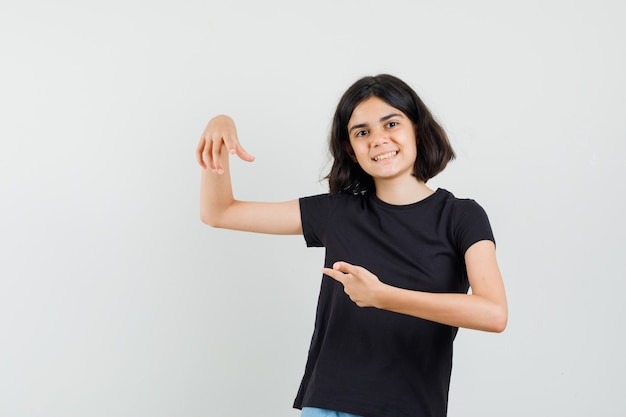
x: 115, y: 300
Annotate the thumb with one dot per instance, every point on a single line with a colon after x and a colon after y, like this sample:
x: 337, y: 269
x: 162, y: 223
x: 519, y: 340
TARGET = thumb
x: 241, y: 153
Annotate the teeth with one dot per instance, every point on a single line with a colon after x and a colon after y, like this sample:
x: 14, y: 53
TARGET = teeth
x: 385, y: 156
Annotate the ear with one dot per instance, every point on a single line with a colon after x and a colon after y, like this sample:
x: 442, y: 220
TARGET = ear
x: 348, y: 148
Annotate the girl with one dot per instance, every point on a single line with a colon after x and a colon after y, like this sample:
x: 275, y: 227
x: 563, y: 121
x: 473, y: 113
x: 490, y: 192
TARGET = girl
x: 400, y: 256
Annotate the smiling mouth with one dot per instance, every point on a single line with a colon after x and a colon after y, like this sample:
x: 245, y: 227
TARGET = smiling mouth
x: 385, y: 156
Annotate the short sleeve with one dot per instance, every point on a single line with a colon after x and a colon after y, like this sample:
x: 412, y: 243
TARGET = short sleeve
x: 315, y: 215
x: 472, y: 225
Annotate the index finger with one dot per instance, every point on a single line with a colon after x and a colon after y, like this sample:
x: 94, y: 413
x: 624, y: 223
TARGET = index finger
x: 334, y: 274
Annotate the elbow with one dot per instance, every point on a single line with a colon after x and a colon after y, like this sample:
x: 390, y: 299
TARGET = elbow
x: 215, y: 214
x: 208, y: 219
x: 499, y: 320
x: 499, y: 327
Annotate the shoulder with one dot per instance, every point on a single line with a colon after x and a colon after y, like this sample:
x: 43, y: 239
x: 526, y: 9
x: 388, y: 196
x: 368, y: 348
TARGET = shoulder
x: 323, y: 212
x: 461, y: 207
x: 331, y: 207
x: 469, y: 221
x: 330, y: 201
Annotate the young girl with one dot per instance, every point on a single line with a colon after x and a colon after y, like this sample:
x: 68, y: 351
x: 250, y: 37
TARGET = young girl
x: 400, y: 257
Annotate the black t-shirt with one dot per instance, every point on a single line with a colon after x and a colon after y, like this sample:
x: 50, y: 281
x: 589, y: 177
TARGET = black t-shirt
x: 378, y: 363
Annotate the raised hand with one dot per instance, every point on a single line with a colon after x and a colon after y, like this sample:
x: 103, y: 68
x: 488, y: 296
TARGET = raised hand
x: 219, y: 133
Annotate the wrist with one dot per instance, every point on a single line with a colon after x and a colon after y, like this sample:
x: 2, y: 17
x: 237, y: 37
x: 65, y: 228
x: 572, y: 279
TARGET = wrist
x: 382, y: 296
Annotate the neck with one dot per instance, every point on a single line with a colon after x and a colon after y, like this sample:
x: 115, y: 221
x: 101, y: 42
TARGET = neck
x: 402, y: 192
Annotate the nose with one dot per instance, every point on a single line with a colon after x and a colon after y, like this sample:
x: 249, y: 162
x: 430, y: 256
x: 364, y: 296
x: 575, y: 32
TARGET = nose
x: 378, y: 137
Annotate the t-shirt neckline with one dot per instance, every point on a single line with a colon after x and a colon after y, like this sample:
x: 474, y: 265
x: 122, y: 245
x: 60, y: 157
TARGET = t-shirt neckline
x: 435, y: 195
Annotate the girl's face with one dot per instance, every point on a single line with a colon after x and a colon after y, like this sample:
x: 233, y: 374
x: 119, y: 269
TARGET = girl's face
x: 382, y: 139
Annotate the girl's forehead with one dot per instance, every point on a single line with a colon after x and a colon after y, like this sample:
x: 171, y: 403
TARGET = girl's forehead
x: 372, y: 108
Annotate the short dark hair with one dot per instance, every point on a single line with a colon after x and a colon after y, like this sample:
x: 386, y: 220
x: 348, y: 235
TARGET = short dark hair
x: 433, y: 148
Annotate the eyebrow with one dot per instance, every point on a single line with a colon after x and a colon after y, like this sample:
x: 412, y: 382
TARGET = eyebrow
x: 382, y: 119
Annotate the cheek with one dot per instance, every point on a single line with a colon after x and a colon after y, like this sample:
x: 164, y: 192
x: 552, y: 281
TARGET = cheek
x: 361, y: 153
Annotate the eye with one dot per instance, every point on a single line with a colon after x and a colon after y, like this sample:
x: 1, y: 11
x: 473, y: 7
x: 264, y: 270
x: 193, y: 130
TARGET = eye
x: 360, y: 133
x: 392, y: 124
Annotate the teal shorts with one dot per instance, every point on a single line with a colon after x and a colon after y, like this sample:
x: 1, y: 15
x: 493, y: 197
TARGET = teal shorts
x: 320, y: 412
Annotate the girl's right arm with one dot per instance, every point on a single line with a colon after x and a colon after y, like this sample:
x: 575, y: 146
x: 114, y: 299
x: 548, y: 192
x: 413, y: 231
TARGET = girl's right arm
x: 218, y: 207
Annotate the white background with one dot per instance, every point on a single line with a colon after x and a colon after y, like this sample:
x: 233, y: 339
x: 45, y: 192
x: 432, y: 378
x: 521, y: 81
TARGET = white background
x: 116, y: 301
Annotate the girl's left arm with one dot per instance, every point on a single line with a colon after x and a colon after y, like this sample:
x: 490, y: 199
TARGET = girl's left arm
x: 484, y: 309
